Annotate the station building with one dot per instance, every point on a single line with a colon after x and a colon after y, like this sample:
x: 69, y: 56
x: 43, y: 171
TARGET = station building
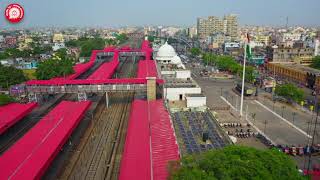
x: 179, y: 85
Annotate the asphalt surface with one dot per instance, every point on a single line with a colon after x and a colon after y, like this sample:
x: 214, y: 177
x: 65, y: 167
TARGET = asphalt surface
x: 267, y: 115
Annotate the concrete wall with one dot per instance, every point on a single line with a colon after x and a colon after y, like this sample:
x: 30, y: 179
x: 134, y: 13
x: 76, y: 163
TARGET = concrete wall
x: 183, y: 74
x: 196, y: 101
x: 173, y: 94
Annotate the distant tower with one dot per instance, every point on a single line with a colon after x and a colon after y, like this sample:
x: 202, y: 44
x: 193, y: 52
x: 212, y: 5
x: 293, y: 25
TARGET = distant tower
x: 287, y: 22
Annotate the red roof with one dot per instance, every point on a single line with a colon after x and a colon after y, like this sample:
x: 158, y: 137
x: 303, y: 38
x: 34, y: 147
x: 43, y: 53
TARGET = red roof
x: 136, y: 163
x: 12, y: 113
x: 145, y: 44
x: 78, y: 70
x: 31, y: 155
x: 105, y: 71
x: 149, y: 122
x: 147, y: 68
x: 163, y: 140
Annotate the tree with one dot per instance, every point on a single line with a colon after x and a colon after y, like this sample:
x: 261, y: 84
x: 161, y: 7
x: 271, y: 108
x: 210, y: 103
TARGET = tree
x: 290, y: 92
x: 54, y: 68
x: 195, y: 51
x: 151, y: 38
x: 315, y: 62
x: 237, y: 162
x: 10, y: 76
x: 249, y: 73
x: 61, y: 53
x: 5, y: 99
x: 121, y: 38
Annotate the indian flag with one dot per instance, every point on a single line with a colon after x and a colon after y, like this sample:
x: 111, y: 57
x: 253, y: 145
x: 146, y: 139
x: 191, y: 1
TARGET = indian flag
x: 248, y: 48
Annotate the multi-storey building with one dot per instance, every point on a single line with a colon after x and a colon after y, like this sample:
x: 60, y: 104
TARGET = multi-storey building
x: 211, y: 25
x: 286, y: 54
x: 317, y: 47
x: 231, y: 26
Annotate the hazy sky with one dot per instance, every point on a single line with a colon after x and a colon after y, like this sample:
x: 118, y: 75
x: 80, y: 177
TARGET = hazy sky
x: 113, y: 13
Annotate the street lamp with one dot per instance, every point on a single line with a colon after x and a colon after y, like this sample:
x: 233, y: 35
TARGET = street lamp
x: 265, y: 126
x: 253, y: 116
x: 282, y: 107
x: 293, y: 115
x: 274, y: 102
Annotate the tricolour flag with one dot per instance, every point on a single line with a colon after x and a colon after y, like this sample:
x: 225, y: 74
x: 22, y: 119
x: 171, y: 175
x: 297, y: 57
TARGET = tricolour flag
x: 248, y: 48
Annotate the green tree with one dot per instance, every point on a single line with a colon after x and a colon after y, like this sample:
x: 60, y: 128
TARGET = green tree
x: 61, y: 53
x: 54, y: 68
x: 10, y: 76
x: 151, y: 38
x: 5, y: 99
x: 249, y: 73
x: 195, y: 51
x: 237, y: 162
x: 121, y: 38
x: 315, y: 62
x: 290, y: 91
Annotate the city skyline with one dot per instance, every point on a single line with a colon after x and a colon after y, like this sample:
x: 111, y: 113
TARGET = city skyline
x: 138, y: 13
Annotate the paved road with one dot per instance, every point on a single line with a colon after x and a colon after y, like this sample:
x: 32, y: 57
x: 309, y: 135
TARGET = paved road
x: 276, y: 128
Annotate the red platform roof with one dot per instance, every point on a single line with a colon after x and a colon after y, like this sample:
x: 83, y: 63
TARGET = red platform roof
x: 12, y: 113
x: 163, y: 140
x: 149, y: 122
x: 145, y: 44
x: 136, y: 163
x: 78, y: 70
x: 105, y: 71
x: 31, y: 155
x: 147, y: 68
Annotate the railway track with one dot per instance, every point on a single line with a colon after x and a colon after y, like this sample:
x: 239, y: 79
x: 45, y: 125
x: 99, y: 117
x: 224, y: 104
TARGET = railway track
x: 98, y: 154
x: 95, y: 155
x: 27, y: 123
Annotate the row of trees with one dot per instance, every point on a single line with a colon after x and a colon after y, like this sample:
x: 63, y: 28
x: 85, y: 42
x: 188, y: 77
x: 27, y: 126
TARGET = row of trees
x: 88, y: 44
x: 290, y: 92
x: 59, y: 65
x: 15, y: 53
x: 315, y: 62
x: 10, y: 76
x: 236, y: 162
x: 195, y: 51
x: 5, y: 99
x: 228, y: 63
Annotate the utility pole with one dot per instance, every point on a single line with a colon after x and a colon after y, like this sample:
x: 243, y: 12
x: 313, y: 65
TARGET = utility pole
x: 293, y: 116
x: 243, y: 76
x: 315, y: 127
x: 265, y: 126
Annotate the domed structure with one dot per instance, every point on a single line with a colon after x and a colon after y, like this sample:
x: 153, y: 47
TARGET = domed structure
x: 165, y: 53
x: 176, y: 60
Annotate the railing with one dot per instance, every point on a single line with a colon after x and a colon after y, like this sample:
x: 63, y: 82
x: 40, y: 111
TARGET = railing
x: 86, y: 88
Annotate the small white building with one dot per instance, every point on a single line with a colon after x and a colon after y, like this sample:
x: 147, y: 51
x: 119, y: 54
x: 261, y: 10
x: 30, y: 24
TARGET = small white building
x: 196, y: 100
x: 58, y: 46
x: 177, y: 89
x: 317, y: 47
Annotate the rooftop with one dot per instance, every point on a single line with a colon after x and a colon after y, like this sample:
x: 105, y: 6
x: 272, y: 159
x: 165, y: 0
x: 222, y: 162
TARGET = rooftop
x: 299, y: 67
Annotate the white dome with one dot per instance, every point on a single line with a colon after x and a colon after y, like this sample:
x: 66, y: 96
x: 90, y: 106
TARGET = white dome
x: 176, y: 60
x: 166, y: 52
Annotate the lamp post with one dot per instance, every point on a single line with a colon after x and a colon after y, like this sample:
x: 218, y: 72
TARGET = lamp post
x: 265, y: 126
x: 293, y: 116
x: 282, y: 107
x: 274, y: 102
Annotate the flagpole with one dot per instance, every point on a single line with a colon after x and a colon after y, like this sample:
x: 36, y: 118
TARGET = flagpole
x: 243, y: 77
